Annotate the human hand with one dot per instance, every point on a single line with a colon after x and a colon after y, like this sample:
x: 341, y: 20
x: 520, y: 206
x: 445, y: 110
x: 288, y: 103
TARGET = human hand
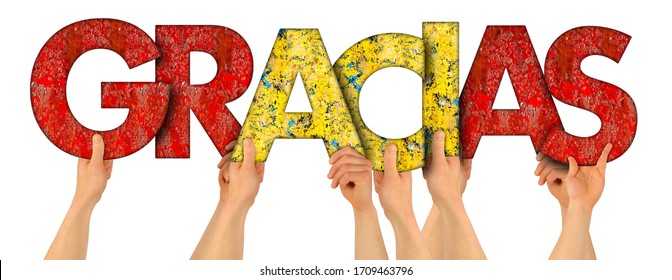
x: 394, y: 188
x: 446, y: 176
x: 552, y: 173
x: 352, y: 172
x: 574, y: 183
x: 223, y: 176
x: 92, y: 174
x: 244, y: 177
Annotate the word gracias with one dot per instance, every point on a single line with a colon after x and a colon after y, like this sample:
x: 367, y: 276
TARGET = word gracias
x: 161, y: 109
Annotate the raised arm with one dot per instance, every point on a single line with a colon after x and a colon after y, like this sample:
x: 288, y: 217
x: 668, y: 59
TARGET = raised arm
x: 577, y: 188
x: 447, y: 179
x: 352, y: 173
x: 72, y: 240
x: 223, y: 238
x: 432, y: 233
x: 394, y: 191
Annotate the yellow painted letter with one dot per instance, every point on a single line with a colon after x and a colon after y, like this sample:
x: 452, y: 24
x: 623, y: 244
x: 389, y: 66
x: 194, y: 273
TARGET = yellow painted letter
x: 435, y: 59
x: 298, y: 51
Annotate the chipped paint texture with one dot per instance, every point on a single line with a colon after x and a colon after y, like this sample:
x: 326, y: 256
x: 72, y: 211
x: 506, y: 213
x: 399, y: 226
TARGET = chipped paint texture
x: 147, y: 102
x: 506, y: 48
x: 298, y: 51
x: 208, y: 101
x: 441, y: 91
x: 356, y: 65
x: 440, y: 88
x: 567, y: 83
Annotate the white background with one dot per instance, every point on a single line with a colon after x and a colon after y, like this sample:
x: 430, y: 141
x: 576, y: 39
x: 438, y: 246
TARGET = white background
x: 155, y: 210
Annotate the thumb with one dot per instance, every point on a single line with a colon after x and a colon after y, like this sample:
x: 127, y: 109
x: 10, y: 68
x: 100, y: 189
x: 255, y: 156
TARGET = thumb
x: 390, y: 159
x: 377, y: 179
x: 249, y: 153
x: 438, y: 145
x: 573, y: 167
x: 602, y: 161
x: 98, y: 148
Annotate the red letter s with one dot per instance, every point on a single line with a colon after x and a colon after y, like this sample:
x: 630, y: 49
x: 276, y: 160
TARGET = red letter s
x: 569, y: 84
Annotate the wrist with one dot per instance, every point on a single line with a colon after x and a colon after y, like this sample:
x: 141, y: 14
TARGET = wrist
x: 579, y: 207
x: 451, y: 203
x: 577, y: 216
x: 234, y: 206
x: 235, y: 200
x: 364, y: 209
x: 84, y: 202
x: 401, y: 218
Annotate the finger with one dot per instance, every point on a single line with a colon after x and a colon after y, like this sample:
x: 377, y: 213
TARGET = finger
x: 221, y: 163
x: 438, y: 144
x: 345, y: 170
x: 348, y: 181
x: 82, y: 162
x: 235, y: 166
x: 427, y: 167
x: 540, y: 156
x: 108, y: 165
x: 249, y: 153
x: 225, y: 171
x: 405, y: 175
x: 338, y: 177
x: 377, y: 179
x: 348, y: 160
x: 602, y: 161
x: 229, y: 147
x: 261, y: 168
x: 556, y: 174
x: 466, y: 166
x: 351, y: 177
x: 428, y: 162
x: 98, y: 149
x: 342, y: 152
x: 390, y: 159
x: 573, y: 167
x: 544, y: 175
x: 542, y: 165
x: 333, y: 172
x: 342, y: 159
x: 344, y: 183
x: 224, y: 175
x: 225, y: 159
x: 453, y: 161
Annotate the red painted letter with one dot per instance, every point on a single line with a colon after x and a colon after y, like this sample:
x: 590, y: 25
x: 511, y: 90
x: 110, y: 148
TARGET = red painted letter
x: 568, y: 84
x: 208, y: 101
x: 505, y: 48
x: 147, y: 102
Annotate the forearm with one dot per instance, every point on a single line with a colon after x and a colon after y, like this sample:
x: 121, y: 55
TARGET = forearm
x: 460, y: 240
x: 223, y: 238
x: 432, y: 233
x: 72, y: 240
x: 369, y: 243
x: 591, y: 249
x: 409, y: 241
x: 575, y: 242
